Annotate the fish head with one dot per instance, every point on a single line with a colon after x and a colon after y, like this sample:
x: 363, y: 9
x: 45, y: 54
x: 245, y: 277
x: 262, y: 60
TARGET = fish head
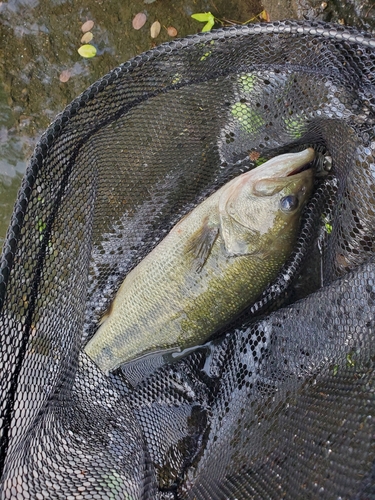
x: 260, y: 210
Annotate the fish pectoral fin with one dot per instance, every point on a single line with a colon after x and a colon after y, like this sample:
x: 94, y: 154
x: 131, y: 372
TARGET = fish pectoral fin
x: 106, y: 313
x: 238, y: 239
x: 200, y: 244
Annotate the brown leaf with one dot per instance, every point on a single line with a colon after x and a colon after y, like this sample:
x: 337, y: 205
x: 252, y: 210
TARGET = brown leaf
x: 139, y: 20
x: 87, y: 37
x: 87, y: 26
x: 172, y: 31
x: 254, y: 155
x: 155, y: 29
x: 65, y: 75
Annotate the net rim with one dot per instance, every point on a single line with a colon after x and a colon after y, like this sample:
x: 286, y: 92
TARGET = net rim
x: 299, y: 28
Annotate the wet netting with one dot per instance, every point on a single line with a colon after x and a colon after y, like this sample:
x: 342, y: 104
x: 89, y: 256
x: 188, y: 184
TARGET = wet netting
x: 279, y: 404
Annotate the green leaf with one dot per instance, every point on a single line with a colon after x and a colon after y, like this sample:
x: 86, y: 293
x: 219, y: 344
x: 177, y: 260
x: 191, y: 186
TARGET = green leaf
x: 205, y: 17
x: 247, y: 82
x: 250, y: 120
x: 202, y: 17
x: 208, y: 26
x: 87, y: 51
x: 328, y: 228
x: 41, y: 226
x: 295, y: 126
x: 349, y: 360
x: 327, y: 224
x: 260, y: 161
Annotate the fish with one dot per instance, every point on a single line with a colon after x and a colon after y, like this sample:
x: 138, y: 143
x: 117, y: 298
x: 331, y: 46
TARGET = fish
x: 210, y: 267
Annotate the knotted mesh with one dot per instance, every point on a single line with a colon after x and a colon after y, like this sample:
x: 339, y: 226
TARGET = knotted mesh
x: 276, y: 406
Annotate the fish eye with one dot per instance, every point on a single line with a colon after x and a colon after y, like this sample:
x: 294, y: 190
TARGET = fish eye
x: 289, y: 203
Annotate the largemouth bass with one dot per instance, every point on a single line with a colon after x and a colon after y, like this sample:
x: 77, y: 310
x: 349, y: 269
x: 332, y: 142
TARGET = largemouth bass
x: 214, y: 263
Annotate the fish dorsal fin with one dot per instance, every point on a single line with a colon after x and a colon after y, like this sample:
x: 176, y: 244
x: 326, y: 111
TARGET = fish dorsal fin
x: 201, y: 243
x: 238, y: 239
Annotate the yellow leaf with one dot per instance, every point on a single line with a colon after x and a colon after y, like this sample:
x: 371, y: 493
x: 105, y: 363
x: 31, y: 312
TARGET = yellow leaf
x: 155, y: 29
x: 265, y: 16
x: 202, y: 17
x: 87, y: 51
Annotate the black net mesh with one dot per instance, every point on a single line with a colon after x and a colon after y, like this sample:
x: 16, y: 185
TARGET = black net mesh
x: 279, y: 406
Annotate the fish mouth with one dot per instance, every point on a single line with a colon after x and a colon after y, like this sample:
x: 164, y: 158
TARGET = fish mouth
x: 302, y: 168
x: 296, y: 163
x: 286, y: 165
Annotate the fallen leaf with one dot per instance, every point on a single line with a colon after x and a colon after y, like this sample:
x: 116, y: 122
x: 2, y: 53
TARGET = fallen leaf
x: 87, y: 37
x: 202, y: 17
x: 155, y: 29
x: 65, y: 75
x: 87, y: 51
x: 149, y: 1
x: 139, y: 20
x: 254, y: 155
x: 205, y: 17
x: 87, y: 26
x: 265, y: 16
x: 172, y: 31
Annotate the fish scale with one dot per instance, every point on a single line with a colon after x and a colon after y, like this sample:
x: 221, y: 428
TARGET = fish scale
x: 212, y: 265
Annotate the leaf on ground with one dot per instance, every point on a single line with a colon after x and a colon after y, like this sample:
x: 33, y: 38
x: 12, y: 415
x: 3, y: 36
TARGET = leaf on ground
x: 202, y: 17
x: 139, y: 20
x: 87, y: 26
x: 87, y: 37
x: 155, y: 29
x: 87, y: 51
x: 65, y: 76
x: 205, y: 17
x: 172, y: 31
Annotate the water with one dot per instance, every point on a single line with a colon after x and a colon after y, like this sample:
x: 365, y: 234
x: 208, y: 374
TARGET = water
x: 39, y: 40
